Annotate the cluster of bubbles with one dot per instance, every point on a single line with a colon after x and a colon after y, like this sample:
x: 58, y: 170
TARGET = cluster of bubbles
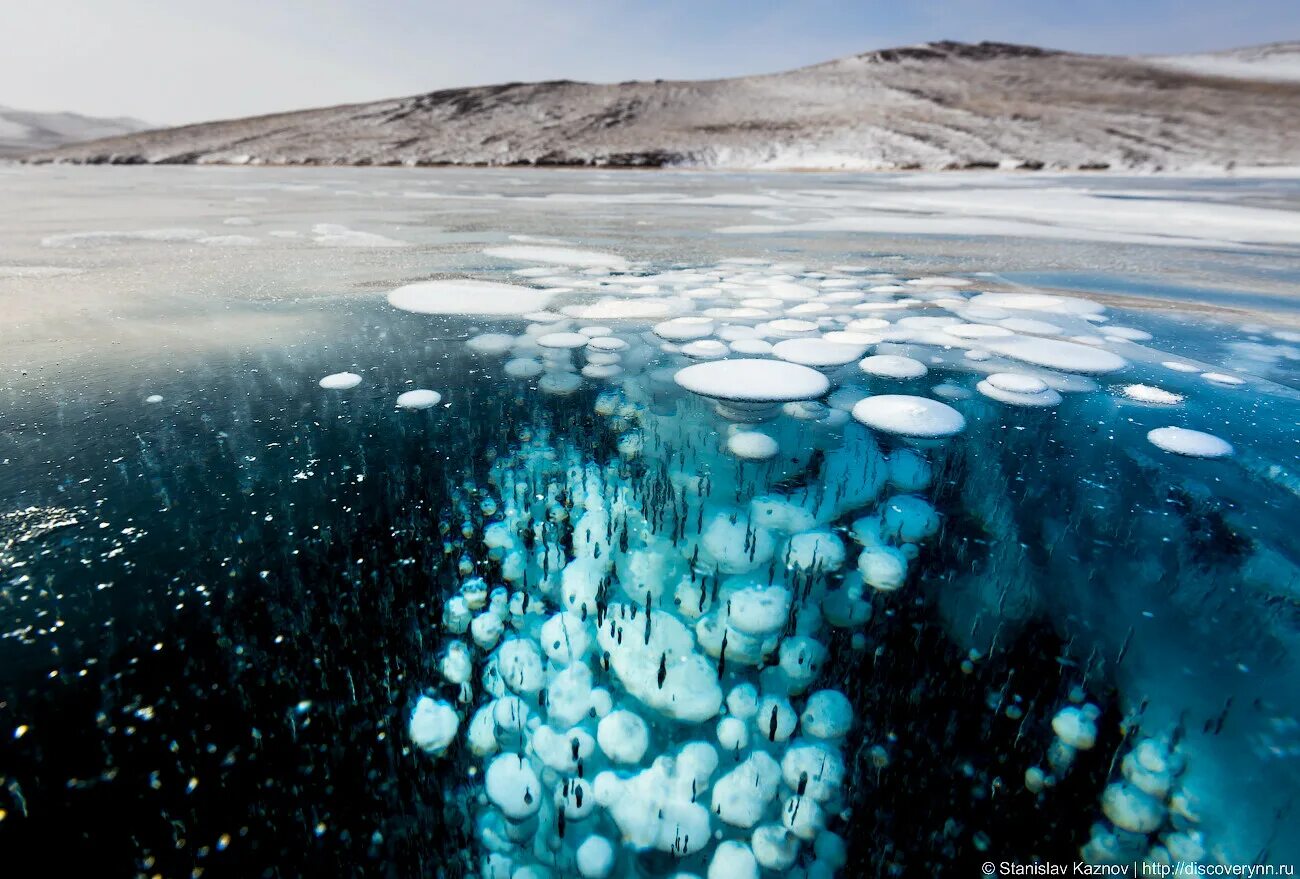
x: 640, y: 680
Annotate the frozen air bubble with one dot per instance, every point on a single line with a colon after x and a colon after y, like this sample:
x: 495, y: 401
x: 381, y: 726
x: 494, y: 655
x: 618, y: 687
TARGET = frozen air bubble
x: 893, y: 366
x: 706, y: 349
x: 467, y: 297
x: 1057, y: 354
x: 418, y: 399
x: 908, y: 416
x: 523, y: 367
x: 559, y: 383
x: 685, y: 329
x: 562, y: 340
x: 490, y: 343
x: 433, y: 725
x: 749, y: 380
x: 883, y: 568
x: 1153, y: 395
x: 751, y: 445
x: 607, y: 343
x: 623, y: 736
x: 1017, y: 389
x: 818, y: 352
x: 1192, y: 443
x: 733, y: 860
x: 513, y: 786
x: 340, y: 381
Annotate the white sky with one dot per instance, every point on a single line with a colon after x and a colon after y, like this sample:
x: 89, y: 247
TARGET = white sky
x: 175, y: 61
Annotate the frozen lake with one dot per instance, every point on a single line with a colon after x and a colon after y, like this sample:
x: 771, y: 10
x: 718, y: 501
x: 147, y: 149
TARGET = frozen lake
x: 527, y: 524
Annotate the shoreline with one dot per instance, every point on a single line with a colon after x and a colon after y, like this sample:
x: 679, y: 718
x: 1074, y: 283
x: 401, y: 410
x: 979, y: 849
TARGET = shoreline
x: 1248, y: 172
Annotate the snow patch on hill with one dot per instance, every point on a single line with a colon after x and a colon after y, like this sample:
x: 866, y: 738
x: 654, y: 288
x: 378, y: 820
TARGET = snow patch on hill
x: 1278, y: 62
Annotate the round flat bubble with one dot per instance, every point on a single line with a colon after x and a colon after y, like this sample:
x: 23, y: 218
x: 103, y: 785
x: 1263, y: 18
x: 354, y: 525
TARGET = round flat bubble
x: 1128, y: 334
x: 559, y: 383
x: 1045, y: 396
x: 706, y: 349
x: 751, y: 380
x: 1033, y: 327
x: 978, y: 331
x: 867, y: 324
x: 735, y: 333
x: 752, y: 445
x: 340, y: 381
x: 606, y: 343
x: 789, y: 327
x: 545, y: 317
x: 602, y: 370
x: 1223, y: 378
x: 909, y: 416
x: 523, y: 367
x: 1055, y: 354
x: 595, y: 332
x: 1150, y: 394
x: 623, y: 309
x: 928, y: 322
x: 467, y: 297
x: 850, y: 337
x: 893, y: 366
x: 1016, y: 383
x: 880, y: 306
x: 752, y: 346
x: 563, y: 340
x: 817, y: 352
x: 682, y: 329
x: 808, y: 308
x: 490, y: 343
x: 1192, y: 443
x: 1179, y: 367
x: 1038, y: 302
x: 418, y: 399
x: 788, y: 292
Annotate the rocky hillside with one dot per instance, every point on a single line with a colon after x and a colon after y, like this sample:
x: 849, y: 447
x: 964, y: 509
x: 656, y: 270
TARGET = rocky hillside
x: 939, y: 105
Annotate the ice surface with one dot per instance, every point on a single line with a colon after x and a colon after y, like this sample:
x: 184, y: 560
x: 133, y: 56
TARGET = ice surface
x: 561, y: 255
x: 594, y: 619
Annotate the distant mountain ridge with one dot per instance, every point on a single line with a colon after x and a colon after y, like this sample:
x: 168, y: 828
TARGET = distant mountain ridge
x: 936, y: 105
x: 22, y: 131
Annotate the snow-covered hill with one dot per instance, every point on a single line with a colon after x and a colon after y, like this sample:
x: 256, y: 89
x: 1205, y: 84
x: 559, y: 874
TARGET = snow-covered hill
x: 22, y: 131
x: 938, y: 105
x: 1279, y: 62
